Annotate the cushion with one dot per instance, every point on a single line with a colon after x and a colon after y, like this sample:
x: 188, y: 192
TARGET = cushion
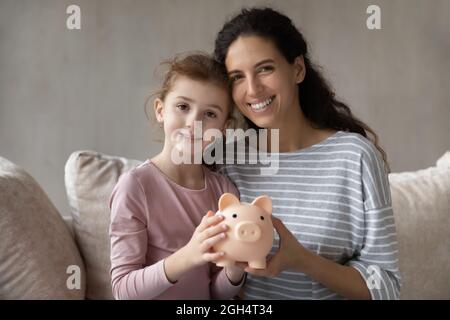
x: 421, y: 203
x: 38, y: 256
x: 90, y: 178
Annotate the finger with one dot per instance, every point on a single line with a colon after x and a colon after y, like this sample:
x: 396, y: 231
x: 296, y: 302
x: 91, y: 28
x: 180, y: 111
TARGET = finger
x: 208, y: 243
x: 210, y: 221
x: 279, y: 226
x: 203, y: 225
x: 212, y: 231
x: 213, y: 256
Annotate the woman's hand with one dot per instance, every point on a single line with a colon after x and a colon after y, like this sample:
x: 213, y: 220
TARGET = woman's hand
x: 206, y: 235
x: 343, y: 280
x: 286, y: 257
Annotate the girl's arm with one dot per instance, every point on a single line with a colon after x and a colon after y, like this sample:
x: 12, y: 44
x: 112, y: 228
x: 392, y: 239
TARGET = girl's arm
x: 130, y: 277
x: 197, y: 251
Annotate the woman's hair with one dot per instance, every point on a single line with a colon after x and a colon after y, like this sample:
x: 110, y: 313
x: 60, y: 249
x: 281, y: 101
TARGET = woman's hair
x: 317, y: 100
x: 196, y: 66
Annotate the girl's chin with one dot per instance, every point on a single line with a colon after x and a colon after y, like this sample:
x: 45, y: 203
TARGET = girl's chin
x: 190, y: 153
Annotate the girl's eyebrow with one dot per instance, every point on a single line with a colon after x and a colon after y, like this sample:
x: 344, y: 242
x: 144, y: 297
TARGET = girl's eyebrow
x: 255, y: 66
x: 214, y: 106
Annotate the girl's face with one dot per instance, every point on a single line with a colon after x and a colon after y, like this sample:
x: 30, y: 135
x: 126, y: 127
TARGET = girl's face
x: 264, y: 84
x: 189, y: 101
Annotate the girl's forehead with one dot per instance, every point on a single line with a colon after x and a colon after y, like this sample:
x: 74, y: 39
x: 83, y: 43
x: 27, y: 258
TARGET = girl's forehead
x: 200, y: 91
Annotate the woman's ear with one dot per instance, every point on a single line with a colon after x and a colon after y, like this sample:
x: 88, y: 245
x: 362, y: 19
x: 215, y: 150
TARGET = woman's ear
x: 300, y: 70
x: 158, y: 106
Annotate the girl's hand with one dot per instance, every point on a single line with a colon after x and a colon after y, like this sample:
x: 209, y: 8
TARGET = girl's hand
x: 206, y: 235
x: 287, y: 255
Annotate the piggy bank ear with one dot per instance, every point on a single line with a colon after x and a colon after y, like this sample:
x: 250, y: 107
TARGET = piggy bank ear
x: 263, y: 202
x: 227, y: 199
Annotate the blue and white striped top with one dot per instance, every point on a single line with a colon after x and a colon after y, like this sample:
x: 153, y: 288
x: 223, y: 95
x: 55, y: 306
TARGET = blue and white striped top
x: 335, y: 198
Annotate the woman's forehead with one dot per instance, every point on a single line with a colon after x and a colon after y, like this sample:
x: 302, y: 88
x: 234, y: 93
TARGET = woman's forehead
x: 248, y: 51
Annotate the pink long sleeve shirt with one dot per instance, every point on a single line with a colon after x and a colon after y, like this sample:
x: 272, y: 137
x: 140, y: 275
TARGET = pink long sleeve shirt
x: 151, y: 218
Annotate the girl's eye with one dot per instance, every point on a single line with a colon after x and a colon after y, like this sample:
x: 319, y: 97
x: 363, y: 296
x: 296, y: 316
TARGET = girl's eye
x: 182, y: 107
x: 210, y: 114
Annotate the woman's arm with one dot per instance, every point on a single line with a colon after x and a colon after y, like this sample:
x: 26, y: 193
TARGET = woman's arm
x: 343, y: 280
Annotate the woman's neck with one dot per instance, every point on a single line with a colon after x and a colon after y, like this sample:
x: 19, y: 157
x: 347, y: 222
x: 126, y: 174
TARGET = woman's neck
x: 296, y: 132
x: 190, y: 176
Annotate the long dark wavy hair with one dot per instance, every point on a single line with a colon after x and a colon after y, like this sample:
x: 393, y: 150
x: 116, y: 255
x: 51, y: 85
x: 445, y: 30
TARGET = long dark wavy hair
x: 317, y: 100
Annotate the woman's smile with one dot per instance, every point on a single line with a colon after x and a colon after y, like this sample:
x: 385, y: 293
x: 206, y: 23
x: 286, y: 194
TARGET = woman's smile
x: 264, y: 83
x: 261, y: 105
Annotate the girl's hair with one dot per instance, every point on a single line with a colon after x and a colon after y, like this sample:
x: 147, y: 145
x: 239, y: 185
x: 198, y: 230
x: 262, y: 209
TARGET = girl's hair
x: 317, y: 100
x: 196, y: 66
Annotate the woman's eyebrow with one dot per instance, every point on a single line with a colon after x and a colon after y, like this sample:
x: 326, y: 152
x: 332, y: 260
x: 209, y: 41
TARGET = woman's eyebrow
x: 264, y: 62
x: 255, y: 66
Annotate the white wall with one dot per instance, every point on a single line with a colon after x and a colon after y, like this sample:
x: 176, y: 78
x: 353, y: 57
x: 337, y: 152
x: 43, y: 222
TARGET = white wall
x: 64, y: 90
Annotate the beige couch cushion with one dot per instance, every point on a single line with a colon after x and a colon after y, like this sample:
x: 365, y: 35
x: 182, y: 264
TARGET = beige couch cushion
x: 90, y: 178
x: 421, y: 202
x: 36, y: 248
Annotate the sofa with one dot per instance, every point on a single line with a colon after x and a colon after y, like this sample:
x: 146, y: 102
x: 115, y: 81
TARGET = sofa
x: 46, y: 256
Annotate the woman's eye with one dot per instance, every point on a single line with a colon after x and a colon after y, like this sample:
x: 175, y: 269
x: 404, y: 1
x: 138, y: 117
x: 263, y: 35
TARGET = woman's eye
x: 210, y: 114
x: 235, y: 78
x: 265, y: 69
x: 182, y: 107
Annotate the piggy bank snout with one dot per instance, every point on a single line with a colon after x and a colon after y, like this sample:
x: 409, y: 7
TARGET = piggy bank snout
x: 247, y: 231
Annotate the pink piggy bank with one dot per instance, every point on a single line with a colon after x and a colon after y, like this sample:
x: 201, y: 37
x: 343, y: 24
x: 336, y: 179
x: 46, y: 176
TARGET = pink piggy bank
x: 250, y: 231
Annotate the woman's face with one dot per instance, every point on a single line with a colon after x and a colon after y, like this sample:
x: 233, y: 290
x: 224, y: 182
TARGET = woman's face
x: 264, y: 84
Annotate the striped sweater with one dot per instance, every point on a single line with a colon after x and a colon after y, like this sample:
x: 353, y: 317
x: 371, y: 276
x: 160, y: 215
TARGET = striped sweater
x: 335, y: 199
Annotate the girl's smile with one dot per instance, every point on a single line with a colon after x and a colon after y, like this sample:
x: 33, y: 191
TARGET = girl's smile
x: 190, y: 109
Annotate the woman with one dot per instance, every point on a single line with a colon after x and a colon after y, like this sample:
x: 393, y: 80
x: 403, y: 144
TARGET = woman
x: 331, y: 193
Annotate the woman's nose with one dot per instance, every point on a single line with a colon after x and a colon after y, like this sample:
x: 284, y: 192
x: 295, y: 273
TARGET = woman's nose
x: 254, y: 87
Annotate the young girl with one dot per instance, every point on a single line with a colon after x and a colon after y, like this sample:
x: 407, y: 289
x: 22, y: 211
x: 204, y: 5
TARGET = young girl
x: 331, y: 193
x: 161, y: 238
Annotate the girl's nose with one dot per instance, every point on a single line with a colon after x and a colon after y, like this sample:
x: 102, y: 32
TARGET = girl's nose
x: 193, y: 118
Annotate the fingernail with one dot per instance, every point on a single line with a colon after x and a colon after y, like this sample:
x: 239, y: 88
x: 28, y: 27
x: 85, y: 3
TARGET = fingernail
x: 224, y: 226
x: 222, y: 235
